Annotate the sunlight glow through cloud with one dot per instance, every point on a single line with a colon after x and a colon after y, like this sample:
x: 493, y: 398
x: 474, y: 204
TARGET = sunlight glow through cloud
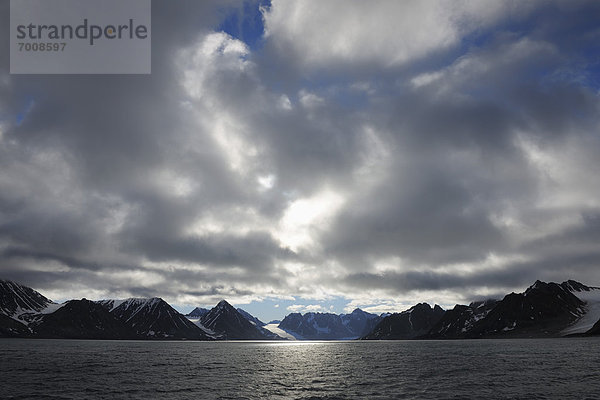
x: 304, y: 217
x: 372, y: 154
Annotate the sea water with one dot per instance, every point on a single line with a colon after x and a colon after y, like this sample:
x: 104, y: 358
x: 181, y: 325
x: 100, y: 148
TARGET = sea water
x: 469, y: 369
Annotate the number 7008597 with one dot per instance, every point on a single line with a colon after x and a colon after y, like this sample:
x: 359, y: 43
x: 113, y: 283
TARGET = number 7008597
x: 35, y: 46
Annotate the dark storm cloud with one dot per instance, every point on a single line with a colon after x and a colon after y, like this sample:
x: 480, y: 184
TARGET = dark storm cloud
x: 89, y: 153
x: 445, y: 152
x: 429, y: 280
x: 513, y: 275
x: 458, y: 165
x: 21, y: 253
x: 255, y: 250
x: 586, y: 235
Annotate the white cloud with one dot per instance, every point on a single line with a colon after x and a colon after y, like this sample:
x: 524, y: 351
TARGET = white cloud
x: 303, y: 308
x: 381, y: 31
x: 305, y: 217
x: 567, y: 188
x: 284, y: 103
x: 214, y: 61
x: 213, y: 52
x: 426, y: 78
x: 473, y: 67
x: 310, y: 100
x: 566, y: 180
x: 266, y: 182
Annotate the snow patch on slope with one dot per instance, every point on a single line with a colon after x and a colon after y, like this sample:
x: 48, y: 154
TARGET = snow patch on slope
x: 27, y: 316
x: 209, y: 332
x: 591, y: 309
x: 110, y: 304
x: 280, y: 332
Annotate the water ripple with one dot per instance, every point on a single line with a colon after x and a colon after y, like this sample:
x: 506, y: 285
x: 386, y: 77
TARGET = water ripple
x: 482, y: 369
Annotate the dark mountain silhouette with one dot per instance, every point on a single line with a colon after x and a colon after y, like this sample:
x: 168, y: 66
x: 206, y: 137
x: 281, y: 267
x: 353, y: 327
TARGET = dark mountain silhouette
x: 82, y: 319
x: 154, y: 318
x: 11, y: 328
x: 576, y: 287
x: 259, y: 324
x: 255, y: 321
x: 595, y: 329
x: 409, y: 324
x: 197, y: 312
x: 544, y: 309
x: 228, y: 323
x: 455, y: 323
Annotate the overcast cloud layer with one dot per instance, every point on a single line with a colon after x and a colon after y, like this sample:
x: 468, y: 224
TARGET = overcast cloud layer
x: 383, y: 152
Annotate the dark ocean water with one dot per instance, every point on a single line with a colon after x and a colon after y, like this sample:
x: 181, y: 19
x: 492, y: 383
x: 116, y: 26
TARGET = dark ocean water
x: 478, y: 369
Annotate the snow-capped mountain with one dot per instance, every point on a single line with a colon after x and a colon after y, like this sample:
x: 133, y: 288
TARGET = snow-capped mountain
x: 228, y: 323
x: 461, y: 319
x: 17, y: 299
x: 409, y: 324
x: 153, y: 318
x: 19, y: 306
x: 577, y: 287
x: 589, y: 322
x: 315, y: 326
x: 328, y: 326
x: 21, y: 302
x: 25, y: 312
x: 544, y: 309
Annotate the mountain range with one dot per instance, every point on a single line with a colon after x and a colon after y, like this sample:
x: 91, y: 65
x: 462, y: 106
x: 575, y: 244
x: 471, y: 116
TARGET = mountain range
x: 543, y: 310
x: 328, y: 326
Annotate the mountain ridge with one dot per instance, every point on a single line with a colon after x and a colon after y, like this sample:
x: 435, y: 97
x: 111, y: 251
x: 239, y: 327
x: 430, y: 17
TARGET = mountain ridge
x: 154, y: 318
x: 409, y: 324
x: 542, y: 310
x: 329, y: 326
x: 230, y: 324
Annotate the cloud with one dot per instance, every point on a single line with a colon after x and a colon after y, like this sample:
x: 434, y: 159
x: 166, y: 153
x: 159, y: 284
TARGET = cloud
x: 302, y: 308
x: 386, y: 33
x: 381, y: 152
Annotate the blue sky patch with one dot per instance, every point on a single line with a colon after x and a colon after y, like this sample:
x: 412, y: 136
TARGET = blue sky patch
x: 246, y: 23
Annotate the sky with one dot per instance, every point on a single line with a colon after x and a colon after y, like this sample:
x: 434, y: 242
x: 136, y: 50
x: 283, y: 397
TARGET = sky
x: 313, y: 156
